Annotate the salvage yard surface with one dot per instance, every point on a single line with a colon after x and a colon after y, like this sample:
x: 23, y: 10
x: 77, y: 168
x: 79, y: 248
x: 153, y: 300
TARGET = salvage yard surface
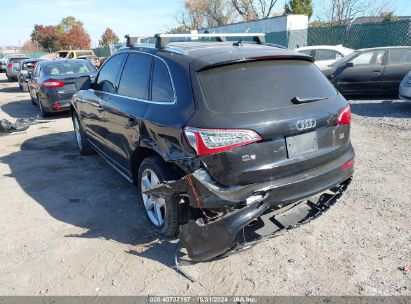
x: 71, y: 225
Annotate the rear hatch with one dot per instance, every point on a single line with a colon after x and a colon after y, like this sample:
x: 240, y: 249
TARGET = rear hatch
x: 15, y: 62
x: 66, y: 86
x: 290, y: 108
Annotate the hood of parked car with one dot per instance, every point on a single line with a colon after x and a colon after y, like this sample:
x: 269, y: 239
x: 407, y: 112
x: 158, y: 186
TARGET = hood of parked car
x: 328, y: 71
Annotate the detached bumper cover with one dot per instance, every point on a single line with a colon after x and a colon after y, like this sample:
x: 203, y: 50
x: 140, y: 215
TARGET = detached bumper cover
x: 248, y: 203
x: 233, y: 233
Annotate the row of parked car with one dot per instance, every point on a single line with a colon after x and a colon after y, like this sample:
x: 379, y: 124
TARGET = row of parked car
x: 50, y: 82
x: 375, y: 71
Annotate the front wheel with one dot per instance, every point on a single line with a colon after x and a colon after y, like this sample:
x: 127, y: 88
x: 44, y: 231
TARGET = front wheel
x: 163, y: 214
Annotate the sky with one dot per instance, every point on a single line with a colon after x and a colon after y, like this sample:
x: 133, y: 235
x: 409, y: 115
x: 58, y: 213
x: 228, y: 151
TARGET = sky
x: 123, y: 16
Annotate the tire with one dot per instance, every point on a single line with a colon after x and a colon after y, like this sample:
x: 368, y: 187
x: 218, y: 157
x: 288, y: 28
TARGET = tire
x: 83, y: 145
x: 10, y: 79
x: 33, y: 101
x: 169, y: 209
x: 21, y: 87
x: 43, y: 111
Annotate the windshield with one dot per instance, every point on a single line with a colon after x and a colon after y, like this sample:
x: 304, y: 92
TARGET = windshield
x: 62, y: 54
x: 69, y: 67
x: 344, y: 59
x: 262, y: 85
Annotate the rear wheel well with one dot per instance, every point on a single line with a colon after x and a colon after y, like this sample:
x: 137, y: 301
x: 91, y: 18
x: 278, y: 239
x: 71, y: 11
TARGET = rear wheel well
x: 142, y: 153
x: 139, y: 155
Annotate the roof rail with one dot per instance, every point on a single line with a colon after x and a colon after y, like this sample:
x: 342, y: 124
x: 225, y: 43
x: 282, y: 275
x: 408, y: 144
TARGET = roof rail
x: 162, y: 40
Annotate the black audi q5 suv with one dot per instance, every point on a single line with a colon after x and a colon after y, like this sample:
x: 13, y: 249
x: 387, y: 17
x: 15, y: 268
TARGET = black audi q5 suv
x: 229, y: 142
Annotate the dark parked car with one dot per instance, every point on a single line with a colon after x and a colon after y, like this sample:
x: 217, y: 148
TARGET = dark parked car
x: 217, y: 135
x: 26, y: 66
x: 377, y: 71
x: 51, y: 84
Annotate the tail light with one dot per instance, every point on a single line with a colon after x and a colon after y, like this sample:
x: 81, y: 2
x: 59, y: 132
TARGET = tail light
x: 211, y: 141
x: 52, y: 84
x: 344, y: 116
x: 348, y: 165
x: 10, y: 66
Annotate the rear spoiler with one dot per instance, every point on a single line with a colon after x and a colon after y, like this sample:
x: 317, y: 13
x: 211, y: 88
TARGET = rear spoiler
x: 258, y: 58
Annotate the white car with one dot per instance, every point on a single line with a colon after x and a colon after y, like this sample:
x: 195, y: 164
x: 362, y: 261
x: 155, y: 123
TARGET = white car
x: 325, y: 55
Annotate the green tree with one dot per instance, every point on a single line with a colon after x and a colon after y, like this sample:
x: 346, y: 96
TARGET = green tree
x: 390, y: 17
x: 108, y: 38
x: 46, y: 36
x: 67, y: 23
x: 299, y: 7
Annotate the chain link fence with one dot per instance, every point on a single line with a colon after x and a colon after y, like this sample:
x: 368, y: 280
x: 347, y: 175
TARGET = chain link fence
x: 354, y: 36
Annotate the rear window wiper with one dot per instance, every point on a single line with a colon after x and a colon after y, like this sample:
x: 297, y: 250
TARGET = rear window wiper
x: 298, y: 100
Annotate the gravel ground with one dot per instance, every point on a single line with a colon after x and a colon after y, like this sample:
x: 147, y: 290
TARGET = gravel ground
x: 71, y: 225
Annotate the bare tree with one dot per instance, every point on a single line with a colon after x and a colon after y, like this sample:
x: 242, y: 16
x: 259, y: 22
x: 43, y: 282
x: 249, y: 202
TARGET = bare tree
x: 254, y: 9
x: 341, y: 12
x: 198, y: 14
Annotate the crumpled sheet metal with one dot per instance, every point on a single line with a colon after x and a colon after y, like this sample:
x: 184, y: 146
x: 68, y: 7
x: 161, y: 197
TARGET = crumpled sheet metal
x: 210, y: 194
x: 21, y: 124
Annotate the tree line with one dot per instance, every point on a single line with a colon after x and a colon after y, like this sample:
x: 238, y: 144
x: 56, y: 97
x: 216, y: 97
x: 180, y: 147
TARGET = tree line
x: 203, y: 14
x: 68, y: 34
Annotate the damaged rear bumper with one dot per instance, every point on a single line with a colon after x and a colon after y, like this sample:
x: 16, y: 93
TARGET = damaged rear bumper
x: 206, y: 238
x: 234, y: 232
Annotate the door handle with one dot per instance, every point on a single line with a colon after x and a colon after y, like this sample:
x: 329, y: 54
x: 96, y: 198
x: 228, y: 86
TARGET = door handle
x: 132, y: 122
x: 100, y: 109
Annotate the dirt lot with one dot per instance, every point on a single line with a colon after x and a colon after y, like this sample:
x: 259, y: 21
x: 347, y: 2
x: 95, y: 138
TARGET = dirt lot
x: 71, y: 225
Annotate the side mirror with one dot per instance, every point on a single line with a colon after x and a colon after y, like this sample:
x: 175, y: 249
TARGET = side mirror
x: 83, y: 83
x: 349, y: 65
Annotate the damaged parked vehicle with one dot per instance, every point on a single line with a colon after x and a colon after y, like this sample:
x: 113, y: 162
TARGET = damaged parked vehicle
x: 228, y: 142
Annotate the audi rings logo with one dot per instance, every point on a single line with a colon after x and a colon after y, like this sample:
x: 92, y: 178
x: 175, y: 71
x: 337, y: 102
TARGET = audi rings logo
x: 305, y: 124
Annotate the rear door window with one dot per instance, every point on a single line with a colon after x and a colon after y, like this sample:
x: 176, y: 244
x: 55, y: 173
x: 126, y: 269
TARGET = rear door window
x: 162, y: 89
x: 400, y: 56
x: 135, y: 80
x: 106, y: 79
x: 262, y: 85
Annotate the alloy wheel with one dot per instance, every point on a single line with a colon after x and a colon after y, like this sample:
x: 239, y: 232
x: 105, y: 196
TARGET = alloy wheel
x: 155, y: 207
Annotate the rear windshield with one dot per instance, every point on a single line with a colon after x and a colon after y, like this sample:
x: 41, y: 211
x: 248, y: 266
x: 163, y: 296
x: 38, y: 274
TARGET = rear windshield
x: 262, y: 85
x: 16, y: 60
x: 69, y: 67
x: 28, y: 65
